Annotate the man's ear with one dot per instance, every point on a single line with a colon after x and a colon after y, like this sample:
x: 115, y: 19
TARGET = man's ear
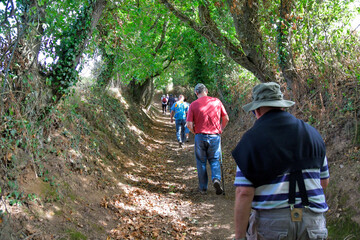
x: 258, y: 113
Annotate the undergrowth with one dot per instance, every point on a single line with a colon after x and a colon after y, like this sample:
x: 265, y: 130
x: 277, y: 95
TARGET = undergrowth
x: 343, y: 228
x: 74, y: 139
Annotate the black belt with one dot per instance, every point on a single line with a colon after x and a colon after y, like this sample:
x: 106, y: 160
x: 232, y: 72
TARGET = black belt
x: 208, y: 134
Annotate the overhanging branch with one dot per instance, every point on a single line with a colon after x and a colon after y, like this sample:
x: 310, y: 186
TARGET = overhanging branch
x: 253, y: 60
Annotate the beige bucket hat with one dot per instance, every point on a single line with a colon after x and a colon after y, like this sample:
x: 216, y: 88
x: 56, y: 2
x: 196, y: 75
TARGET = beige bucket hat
x: 267, y: 95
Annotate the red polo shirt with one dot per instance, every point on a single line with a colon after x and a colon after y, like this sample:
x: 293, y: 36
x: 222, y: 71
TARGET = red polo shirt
x: 206, y: 113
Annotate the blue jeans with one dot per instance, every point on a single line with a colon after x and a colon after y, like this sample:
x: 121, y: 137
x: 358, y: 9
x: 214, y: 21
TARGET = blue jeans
x: 207, y: 148
x: 180, y: 130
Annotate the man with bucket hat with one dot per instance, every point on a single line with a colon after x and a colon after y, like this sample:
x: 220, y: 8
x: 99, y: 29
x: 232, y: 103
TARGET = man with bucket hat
x: 281, y: 173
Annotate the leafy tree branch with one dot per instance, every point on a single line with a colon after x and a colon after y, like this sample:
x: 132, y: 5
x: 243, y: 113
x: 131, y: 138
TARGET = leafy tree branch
x: 251, y: 56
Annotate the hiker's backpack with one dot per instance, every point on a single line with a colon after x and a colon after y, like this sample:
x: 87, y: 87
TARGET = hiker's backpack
x: 164, y: 100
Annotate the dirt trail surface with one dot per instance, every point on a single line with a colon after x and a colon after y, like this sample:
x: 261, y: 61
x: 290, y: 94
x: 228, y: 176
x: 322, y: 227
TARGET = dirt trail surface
x: 139, y: 187
x: 163, y: 194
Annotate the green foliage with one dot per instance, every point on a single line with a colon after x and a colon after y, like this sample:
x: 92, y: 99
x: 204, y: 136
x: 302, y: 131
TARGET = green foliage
x: 343, y: 228
x: 205, y: 64
x: 19, y: 134
x: 50, y: 191
x: 98, y: 113
x: 133, y: 60
x: 64, y: 74
x: 59, y: 19
x: 198, y: 70
x: 142, y: 40
x: 73, y: 117
x: 15, y: 196
x: 323, y: 33
x: 32, y: 197
x: 75, y: 235
x: 57, y: 28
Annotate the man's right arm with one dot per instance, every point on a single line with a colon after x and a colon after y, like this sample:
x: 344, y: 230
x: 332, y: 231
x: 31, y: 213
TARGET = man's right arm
x: 324, y: 183
x: 190, y: 126
x: 243, y: 199
x: 190, y: 120
x: 172, y: 113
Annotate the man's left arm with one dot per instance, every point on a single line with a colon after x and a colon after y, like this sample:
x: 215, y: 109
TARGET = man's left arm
x: 224, y: 122
x: 224, y: 116
x: 190, y: 120
x: 324, y: 174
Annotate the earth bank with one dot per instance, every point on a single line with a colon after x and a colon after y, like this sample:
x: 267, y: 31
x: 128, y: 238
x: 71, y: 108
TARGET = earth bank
x: 108, y: 170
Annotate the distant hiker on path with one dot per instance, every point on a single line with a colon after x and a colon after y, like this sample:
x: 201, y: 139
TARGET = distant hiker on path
x: 178, y: 111
x: 282, y: 171
x: 171, y: 101
x: 207, y: 118
x: 187, y: 131
x: 164, y: 103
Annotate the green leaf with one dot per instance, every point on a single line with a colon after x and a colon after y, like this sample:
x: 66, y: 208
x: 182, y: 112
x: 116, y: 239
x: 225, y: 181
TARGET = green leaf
x: 13, y: 132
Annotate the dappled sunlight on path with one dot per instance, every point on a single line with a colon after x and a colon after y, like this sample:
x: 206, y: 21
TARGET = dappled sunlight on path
x: 159, y: 198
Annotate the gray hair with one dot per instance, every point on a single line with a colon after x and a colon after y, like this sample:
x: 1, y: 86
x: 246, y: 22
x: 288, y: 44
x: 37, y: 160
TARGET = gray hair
x: 199, y: 88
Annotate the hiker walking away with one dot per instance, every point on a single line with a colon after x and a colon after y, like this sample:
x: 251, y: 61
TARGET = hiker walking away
x: 178, y: 111
x: 281, y: 173
x: 187, y: 131
x: 164, y: 102
x: 171, y: 101
x: 207, y: 119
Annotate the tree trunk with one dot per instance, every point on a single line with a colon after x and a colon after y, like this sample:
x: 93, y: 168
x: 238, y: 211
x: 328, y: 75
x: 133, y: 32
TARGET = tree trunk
x: 138, y: 90
x: 286, y: 62
x: 150, y: 95
x: 247, y: 26
x: 250, y: 53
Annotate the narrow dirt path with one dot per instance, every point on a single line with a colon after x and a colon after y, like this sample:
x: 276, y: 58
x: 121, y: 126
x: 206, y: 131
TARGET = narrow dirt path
x: 160, y: 198
x: 213, y: 213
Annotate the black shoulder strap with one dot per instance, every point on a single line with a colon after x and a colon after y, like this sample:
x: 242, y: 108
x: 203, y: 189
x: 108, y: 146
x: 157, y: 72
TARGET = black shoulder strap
x: 298, y: 177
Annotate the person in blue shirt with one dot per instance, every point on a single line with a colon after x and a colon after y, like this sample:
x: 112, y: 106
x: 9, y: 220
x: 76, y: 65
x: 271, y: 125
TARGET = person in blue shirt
x: 178, y: 111
x: 187, y: 131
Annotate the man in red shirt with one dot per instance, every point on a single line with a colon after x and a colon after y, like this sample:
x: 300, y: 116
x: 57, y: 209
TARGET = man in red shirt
x: 207, y: 118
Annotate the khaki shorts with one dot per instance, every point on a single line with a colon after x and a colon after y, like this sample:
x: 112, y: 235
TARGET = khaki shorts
x: 276, y: 224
